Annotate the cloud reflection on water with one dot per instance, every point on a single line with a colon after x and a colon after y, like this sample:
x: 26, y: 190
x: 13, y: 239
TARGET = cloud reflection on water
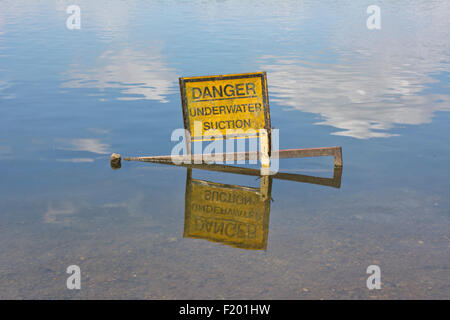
x: 360, y: 103
x: 371, y: 81
x: 89, y: 145
x: 139, y: 75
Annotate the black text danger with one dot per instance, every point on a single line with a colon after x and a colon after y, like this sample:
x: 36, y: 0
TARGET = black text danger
x: 224, y: 91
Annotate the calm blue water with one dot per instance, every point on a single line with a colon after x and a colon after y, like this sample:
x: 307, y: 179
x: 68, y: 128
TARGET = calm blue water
x: 69, y: 98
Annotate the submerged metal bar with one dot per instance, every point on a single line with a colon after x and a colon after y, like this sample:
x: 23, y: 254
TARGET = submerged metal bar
x: 336, y: 152
x: 199, y: 158
x: 334, y: 182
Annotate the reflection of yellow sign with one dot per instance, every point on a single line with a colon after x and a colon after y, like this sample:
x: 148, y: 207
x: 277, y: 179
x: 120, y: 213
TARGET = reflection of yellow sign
x: 233, y: 215
x: 236, y: 105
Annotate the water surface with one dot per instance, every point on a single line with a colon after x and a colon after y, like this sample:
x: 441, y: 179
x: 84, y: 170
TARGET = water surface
x: 69, y: 98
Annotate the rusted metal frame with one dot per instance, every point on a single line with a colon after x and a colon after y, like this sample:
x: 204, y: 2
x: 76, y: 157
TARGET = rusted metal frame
x: 335, y: 152
x: 334, y: 182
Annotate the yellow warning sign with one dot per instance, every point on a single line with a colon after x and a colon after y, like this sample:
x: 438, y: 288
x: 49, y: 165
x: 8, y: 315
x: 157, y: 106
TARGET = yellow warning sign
x: 233, y: 215
x: 232, y: 106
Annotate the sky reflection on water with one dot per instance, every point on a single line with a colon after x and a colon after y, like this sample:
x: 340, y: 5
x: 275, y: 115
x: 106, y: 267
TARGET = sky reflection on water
x: 69, y: 98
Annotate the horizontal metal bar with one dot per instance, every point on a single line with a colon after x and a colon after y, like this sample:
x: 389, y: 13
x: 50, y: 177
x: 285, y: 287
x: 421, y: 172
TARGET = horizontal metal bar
x: 336, y: 152
x: 334, y: 182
